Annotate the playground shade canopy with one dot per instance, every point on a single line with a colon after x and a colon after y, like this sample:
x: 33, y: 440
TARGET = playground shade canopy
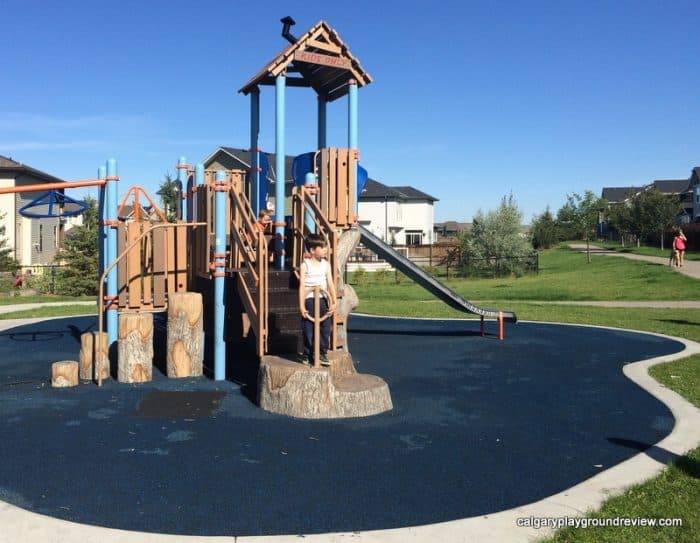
x: 52, y: 204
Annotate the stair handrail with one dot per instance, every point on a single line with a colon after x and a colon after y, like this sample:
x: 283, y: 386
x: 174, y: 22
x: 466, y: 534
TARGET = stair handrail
x: 249, y: 250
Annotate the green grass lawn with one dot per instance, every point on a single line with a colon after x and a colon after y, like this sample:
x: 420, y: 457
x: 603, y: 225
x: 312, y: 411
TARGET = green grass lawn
x: 10, y: 299
x: 565, y: 275
x: 56, y: 311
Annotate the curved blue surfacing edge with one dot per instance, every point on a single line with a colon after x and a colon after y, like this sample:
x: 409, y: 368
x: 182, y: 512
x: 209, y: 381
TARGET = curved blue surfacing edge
x: 52, y: 204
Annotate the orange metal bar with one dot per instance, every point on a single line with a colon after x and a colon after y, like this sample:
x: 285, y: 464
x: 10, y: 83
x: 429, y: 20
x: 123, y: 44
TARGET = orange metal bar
x: 50, y: 186
x: 500, y: 325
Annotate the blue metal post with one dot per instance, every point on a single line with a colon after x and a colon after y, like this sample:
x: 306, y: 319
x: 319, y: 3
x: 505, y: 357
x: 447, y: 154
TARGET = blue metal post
x: 321, y: 123
x: 308, y: 218
x: 219, y: 249
x: 280, y: 174
x: 111, y: 216
x: 254, y: 150
x: 198, y: 180
x: 199, y: 174
x: 352, y: 127
x: 182, y: 178
x: 352, y: 115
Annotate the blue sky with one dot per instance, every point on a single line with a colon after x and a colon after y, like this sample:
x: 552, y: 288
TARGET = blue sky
x: 470, y: 101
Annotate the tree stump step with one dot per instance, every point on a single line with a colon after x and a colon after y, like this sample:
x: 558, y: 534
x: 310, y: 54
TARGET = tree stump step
x: 64, y: 373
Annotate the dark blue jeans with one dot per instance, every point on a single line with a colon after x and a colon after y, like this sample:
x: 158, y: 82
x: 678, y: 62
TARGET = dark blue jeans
x: 307, y: 327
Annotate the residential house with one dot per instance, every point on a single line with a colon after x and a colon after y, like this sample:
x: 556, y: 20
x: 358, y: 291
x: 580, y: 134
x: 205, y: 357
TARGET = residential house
x: 231, y: 158
x: 398, y: 215
x: 687, y: 191
x: 34, y: 241
x: 449, y: 230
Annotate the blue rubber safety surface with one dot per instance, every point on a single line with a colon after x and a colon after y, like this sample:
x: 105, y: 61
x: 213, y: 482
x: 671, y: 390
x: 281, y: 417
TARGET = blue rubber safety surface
x: 478, y: 426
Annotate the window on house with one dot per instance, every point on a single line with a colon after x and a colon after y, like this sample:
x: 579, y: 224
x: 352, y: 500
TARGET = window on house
x: 414, y: 237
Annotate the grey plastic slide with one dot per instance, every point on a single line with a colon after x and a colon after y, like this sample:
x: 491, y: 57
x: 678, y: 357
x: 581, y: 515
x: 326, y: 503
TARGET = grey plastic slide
x: 427, y: 281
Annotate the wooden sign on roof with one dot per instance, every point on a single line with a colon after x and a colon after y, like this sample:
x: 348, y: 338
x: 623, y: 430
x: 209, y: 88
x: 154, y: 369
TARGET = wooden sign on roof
x: 326, y: 60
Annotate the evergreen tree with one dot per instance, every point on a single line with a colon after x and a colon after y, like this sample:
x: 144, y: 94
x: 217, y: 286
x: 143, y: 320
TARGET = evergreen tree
x: 79, y: 256
x: 169, y: 192
x: 581, y: 215
x: 545, y: 234
x: 7, y: 262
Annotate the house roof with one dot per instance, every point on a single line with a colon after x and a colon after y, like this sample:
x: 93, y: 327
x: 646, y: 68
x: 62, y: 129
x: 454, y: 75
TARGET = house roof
x: 375, y: 189
x: 619, y: 194
x: 244, y: 157
x: 672, y: 186
x: 322, y: 62
x: 451, y: 226
x: 9, y: 165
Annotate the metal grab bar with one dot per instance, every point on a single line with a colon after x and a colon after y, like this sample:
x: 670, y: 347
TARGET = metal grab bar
x: 317, y: 324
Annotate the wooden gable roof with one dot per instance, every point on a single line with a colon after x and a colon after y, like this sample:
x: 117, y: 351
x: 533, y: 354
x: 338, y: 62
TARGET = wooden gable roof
x: 322, y: 62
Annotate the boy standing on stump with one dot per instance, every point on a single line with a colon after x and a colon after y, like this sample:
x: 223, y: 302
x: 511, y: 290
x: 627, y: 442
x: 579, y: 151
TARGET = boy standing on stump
x: 316, y: 272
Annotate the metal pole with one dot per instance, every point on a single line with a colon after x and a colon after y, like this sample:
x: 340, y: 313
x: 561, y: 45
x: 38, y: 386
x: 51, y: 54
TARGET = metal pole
x: 352, y: 132
x: 219, y: 262
x: 198, y: 181
x: 352, y: 114
x: 322, y: 124
x: 280, y: 83
x: 101, y: 173
x: 182, y: 178
x: 254, y: 150
x: 317, y: 325
x: 111, y: 218
x: 310, y: 179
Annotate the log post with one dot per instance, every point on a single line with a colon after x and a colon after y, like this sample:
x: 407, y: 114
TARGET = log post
x: 135, y: 347
x: 93, y: 355
x: 64, y: 373
x: 185, y: 334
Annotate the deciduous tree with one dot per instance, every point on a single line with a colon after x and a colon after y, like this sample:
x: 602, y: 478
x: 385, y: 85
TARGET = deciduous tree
x: 582, y: 214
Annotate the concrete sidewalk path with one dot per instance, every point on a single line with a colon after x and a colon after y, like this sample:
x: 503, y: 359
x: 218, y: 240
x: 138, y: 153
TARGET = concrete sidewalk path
x: 691, y: 268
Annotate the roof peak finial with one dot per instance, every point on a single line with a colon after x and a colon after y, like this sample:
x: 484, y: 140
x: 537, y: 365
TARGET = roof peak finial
x: 288, y: 22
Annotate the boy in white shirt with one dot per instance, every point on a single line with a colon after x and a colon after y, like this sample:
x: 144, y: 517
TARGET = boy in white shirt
x: 316, y: 271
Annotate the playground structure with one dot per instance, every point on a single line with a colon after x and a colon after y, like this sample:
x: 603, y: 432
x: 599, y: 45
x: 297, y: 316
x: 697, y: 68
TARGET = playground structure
x: 216, y: 247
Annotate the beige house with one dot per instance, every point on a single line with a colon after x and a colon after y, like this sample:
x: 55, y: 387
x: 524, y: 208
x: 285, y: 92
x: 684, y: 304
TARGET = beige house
x: 34, y: 241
